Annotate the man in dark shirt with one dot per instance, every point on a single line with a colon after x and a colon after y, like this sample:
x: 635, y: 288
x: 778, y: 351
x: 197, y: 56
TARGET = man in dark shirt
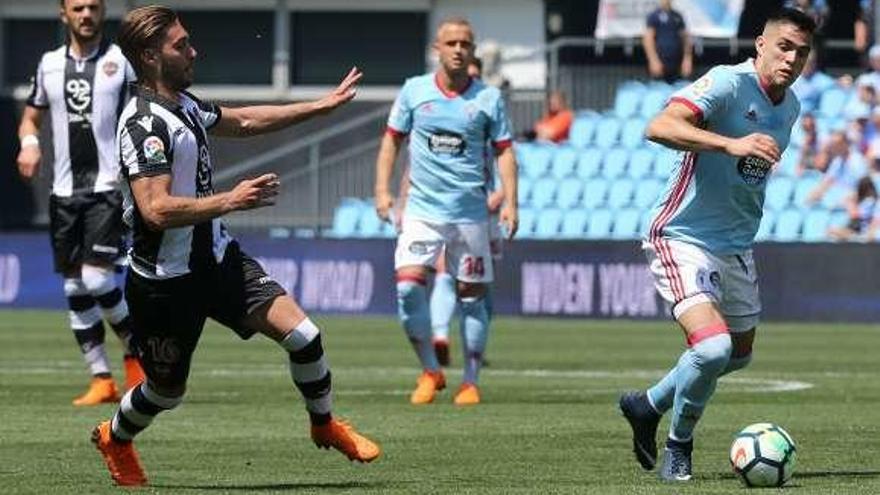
x: 667, y: 44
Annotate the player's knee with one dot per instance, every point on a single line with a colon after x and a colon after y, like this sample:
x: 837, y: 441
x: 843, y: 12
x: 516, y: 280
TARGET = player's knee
x: 713, y: 351
x: 412, y: 304
x: 98, y: 280
x: 165, y: 393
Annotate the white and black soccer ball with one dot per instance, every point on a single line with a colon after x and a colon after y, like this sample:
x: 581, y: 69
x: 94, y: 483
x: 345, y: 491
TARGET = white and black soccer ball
x: 763, y: 454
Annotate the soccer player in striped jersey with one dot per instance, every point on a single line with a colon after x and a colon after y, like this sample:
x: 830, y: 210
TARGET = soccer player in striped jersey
x: 185, y: 266
x: 729, y: 127
x: 451, y: 120
x: 83, y: 85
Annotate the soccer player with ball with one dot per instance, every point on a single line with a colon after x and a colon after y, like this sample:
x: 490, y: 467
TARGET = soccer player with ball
x: 729, y: 128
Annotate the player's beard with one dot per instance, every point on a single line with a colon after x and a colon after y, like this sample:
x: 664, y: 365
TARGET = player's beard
x: 176, y: 78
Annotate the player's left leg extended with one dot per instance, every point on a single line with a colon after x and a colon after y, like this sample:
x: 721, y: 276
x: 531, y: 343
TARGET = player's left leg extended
x: 442, y: 303
x: 474, y: 335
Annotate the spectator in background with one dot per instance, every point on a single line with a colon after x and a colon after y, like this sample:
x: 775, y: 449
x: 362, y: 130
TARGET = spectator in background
x: 667, y: 44
x: 872, y: 77
x: 555, y: 124
x: 862, y: 105
x: 863, y: 27
x: 809, y: 147
x: 864, y: 214
x: 811, y: 84
x: 843, y: 166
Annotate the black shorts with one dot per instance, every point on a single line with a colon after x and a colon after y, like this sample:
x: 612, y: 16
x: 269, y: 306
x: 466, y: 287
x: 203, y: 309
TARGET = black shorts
x: 86, y: 228
x: 168, y: 315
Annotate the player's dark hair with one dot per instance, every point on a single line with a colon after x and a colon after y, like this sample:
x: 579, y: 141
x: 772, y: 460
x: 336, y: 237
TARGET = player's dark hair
x: 141, y: 29
x: 793, y: 16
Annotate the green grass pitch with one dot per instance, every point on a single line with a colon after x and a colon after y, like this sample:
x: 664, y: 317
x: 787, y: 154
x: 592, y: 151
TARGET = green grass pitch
x: 549, y: 422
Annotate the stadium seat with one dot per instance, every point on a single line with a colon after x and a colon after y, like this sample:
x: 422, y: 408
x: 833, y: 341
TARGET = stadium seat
x: 787, y: 165
x: 805, y: 185
x: 582, y: 129
x: 632, y: 135
x: 647, y: 191
x: 547, y: 224
x: 797, y: 133
x: 765, y: 229
x: 615, y: 162
x: 535, y: 159
x: 627, y: 98
x: 574, y: 223
x: 832, y: 101
x: 370, y: 224
x: 641, y: 163
x: 777, y: 196
x: 626, y: 224
x: 599, y: 225
x: 568, y: 192
x: 595, y: 192
x: 816, y: 224
x: 346, y: 217
x: 645, y: 221
x: 526, y: 223
x: 664, y: 163
x: 788, y: 225
x: 654, y: 99
x: 834, y: 197
x: 543, y: 192
x: 607, y: 132
x: 523, y: 189
x: 589, y: 163
x: 620, y: 193
x: 564, y: 161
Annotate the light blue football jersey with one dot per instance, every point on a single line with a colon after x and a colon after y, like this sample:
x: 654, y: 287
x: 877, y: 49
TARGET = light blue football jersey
x: 449, y: 139
x: 712, y: 199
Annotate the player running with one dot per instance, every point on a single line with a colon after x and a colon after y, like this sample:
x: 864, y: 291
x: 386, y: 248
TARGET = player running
x: 450, y: 118
x: 730, y: 127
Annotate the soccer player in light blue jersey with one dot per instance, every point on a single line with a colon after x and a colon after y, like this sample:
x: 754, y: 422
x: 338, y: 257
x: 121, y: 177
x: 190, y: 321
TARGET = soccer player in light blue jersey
x: 729, y: 127
x: 450, y: 119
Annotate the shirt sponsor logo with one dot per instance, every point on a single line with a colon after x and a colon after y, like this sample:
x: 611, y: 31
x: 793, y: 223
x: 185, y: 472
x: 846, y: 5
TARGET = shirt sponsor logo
x: 79, y: 94
x: 448, y: 143
x: 154, y: 150
x: 753, y: 170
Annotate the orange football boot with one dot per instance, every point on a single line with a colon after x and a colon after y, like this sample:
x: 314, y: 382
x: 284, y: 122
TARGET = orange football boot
x: 342, y: 437
x: 134, y: 373
x: 427, y: 386
x: 468, y: 395
x: 101, y: 390
x: 121, y: 458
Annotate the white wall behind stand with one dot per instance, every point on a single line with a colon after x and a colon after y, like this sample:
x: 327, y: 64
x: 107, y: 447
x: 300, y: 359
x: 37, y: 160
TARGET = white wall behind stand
x: 516, y: 26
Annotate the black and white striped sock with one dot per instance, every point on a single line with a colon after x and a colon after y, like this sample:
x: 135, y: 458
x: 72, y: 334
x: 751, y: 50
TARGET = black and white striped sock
x: 137, y: 409
x: 88, y: 329
x: 309, y: 370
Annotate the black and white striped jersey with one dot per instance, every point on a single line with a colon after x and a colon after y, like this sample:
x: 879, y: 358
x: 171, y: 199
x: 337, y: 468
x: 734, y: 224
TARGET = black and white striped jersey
x: 85, y: 97
x: 158, y: 136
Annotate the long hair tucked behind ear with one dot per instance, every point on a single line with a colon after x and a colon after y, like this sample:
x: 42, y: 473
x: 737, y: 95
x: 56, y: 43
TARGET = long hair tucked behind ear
x: 143, y: 28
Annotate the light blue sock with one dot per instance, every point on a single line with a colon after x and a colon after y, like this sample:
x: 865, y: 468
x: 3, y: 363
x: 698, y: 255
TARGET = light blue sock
x: 443, y: 301
x: 412, y: 307
x: 475, y: 334
x: 490, y: 303
x: 662, y: 393
x: 696, y: 375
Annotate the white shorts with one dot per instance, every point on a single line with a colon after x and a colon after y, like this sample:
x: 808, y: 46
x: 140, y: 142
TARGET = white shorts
x: 468, y: 257
x: 496, y: 238
x: 686, y: 275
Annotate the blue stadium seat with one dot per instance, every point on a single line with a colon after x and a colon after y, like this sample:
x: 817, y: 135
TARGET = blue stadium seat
x: 620, y: 194
x: 664, y: 163
x: 595, y: 192
x: 626, y: 101
x: 370, y: 224
x: 816, y: 224
x: 526, y: 223
x: 534, y: 159
x: 839, y: 218
x: 787, y: 165
x: 832, y: 101
x: 632, y: 135
x: 582, y: 129
x: 589, y: 163
x: 641, y: 163
x: 765, y: 229
x: 647, y: 191
x: 564, y: 161
x: 607, y: 132
x: 654, y: 99
x: 543, y: 192
x: 834, y: 197
x: 645, y: 221
x: 346, y: 217
x: 615, y: 162
x: 626, y: 224
x: 568, y: 192
x: 547, y: 224
x: 788, y: 225
x: 574, y: 223
x: 804, y: 187
x: 523, y: 189
x: 599, y: 226
x: 797, y: 133
x: 778, y: 194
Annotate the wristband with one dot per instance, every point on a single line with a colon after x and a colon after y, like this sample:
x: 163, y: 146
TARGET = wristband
x: 30, y: 140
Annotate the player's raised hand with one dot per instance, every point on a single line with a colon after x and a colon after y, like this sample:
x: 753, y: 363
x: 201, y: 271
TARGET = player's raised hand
x: 384, y: 203
x: 28, y: 162
x: 343, y: 93
x: 755, y: 144
x: 254, y: 193
x: 509, y: 218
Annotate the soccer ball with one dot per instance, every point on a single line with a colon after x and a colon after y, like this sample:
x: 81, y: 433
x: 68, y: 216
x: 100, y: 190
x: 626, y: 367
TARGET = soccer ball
x: 763, y: 454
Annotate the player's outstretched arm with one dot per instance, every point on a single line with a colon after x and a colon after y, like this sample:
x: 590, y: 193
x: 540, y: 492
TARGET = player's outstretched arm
x: 388, y: 150
x: 677, y: 127
x: 260, y: 119
x: 162, y: 211
x: 28, y: 160
x: 509, y: 215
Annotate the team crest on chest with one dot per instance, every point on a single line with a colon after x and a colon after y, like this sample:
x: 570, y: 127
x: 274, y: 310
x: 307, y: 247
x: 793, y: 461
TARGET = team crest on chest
x: 110, y: 68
